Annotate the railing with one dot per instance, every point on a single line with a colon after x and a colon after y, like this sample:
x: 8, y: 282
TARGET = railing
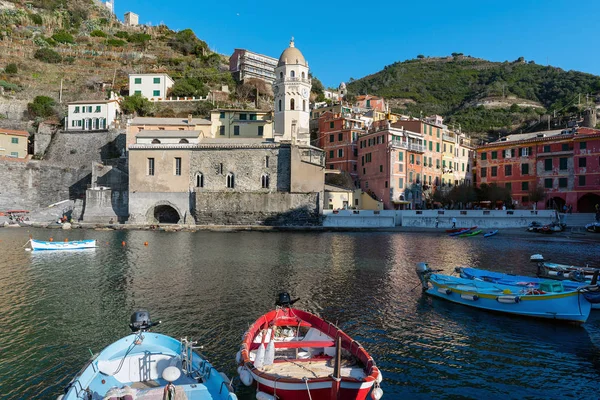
x: 313, y: 156
x: 419, y: 148
x: 449, y: 138
x: 293, y: 79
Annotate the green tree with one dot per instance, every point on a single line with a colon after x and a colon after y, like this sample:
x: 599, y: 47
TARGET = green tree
x: 420, y: 56
x: 137, y: 104
x: 63, y: 37
x: 42, y: 106
x: 537, y: 194
x: 187, y: 43
x: 189, y: 87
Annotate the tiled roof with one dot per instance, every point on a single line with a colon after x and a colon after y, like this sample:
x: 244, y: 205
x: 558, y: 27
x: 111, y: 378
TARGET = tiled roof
x: 92, y: 101
x: 13, y: 132
x: 168, y: 121
x: 146, y: 134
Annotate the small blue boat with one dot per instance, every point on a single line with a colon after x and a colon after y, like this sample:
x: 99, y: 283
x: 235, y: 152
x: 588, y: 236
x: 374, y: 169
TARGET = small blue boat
x: 37, y: 245
x: 567, y: 306
x: 533, y: 284
x: 491, y: 233
x: 148, y: 365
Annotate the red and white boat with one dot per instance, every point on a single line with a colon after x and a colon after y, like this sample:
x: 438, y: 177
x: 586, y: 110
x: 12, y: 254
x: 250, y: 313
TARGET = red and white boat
x: 292, y: 354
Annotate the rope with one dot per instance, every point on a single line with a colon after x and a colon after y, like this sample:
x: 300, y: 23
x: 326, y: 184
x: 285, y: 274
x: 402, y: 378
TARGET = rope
x: 133, y: 344
x: 305, y: 379
x: 303, y: 367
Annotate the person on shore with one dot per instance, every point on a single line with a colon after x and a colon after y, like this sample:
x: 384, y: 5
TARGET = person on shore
x: 111, y: 221
x: 437, y: 221
x: 453, y: 222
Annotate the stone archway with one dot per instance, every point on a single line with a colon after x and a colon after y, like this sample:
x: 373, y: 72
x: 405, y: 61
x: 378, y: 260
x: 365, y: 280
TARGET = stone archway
x: 555, y: 203
x: 587, y: 203
x: 163, y: 212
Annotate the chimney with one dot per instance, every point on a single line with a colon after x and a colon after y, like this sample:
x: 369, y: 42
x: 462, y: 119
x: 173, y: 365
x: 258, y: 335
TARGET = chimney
x: 189, y: 120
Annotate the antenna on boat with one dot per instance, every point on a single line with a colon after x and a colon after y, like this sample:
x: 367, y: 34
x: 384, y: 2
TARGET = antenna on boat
x: 285, y: 300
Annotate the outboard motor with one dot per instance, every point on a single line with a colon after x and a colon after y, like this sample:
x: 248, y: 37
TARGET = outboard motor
x: 423, y: 272
x: 140, y: 321
x: 284, y: 300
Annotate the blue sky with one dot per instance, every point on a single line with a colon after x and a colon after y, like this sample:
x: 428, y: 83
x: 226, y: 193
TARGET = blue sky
x: 356, y: 38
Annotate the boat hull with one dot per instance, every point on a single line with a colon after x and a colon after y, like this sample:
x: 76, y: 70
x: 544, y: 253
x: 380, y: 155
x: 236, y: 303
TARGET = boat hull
x: 568, y: 306
x: 38, y: 245
x: 491, y: 233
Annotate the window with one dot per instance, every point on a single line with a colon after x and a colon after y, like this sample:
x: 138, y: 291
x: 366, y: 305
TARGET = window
x: 76, y: 110
x: 386, y: 184
x: 199, y: 180
x: 89, y: 109
x: 548, y: 164
x: 303, y: 104
x: 462, y: 165
x: 401, y: 183
x: 381, y: 168
x: 222, y: 130
x: 331, y: 125
x: 483, y: 172
x: 563, y: 163
x: 281, y: 75
x: 264, y: 180
x: 230, y: 180
x: 494, y: 171
x: 243, y: 117
x: 494, y: 155
x: 137, y: 92
x: 266, y: 161
x: 483, y: 156
x: 155, y: 141
x: 330, y: 153
x: 437, y: 129
x: 368, y: 103
x: 565, y: 147
x: 292, y: 104
x: 331, y: 138
x: 183, y: 141
x: 340, y: 137
x: 582, y: 145
x: 151, y: 166
x: 137, y: 81
x: 525, y: 186
x: 98, y: 109
x: 410, y: 177
x: 437, y: 147
x: 425, y: 143
x: 444, y: 147
x: 582, y: 162
x: 463, y: 152
x: 508, y: 186
x: 236, y: 130
x: 547, y: 148
x: 451, y: 149
x: 437, y: 163
x: 293, y: 74
x: 430, y: 146
x: 222, y: 115
x: 444, y: 163
x: 548, y: 183
x: 412, y: 158
x: 507, y: 170
x: 340, y: 152
x: 14, y: 140
x: 400, y: 156
x: 14, y: 154
x: 562, y: 182
x: 525, y: 151
x: 279, y: 105
x: 261, y: 130
x: 524, y: 169
x: 156, y: 80
x: 156, y: 93
x: 581, y: 180
x: 221, y: 168
x: 178, y: 166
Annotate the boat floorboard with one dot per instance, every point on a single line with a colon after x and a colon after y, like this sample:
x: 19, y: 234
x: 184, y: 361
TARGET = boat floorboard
x: 311, y: 369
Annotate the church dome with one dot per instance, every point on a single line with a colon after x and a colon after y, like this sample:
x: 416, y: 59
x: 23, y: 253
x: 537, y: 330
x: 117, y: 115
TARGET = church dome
x: 291, y: 55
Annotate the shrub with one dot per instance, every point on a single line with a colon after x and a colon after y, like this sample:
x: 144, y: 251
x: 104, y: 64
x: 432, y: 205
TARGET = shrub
x: 9, y: 86
x: 69, y: 59
x: 36, y: 19
x: 63, y: 37
x: 122, y: 35
x: 98, y: 33
x: 189, y: 87
x: 42, y: 106
x: 136, y: 104
x: 11, y: 69
x: 186, y: 43
x: 115, y: 42
x: 47, y: 55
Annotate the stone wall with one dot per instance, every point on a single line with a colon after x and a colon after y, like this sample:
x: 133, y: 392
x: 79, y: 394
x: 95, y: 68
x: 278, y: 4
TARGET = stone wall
x: 35, y: 184
x: 103, y: 205
x: 275, y: 209
x: 142, y: 205
x: 13, y: 109
x: 79, y: 149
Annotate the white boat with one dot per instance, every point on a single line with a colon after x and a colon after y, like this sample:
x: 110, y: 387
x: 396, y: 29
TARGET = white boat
x: 66, y: 245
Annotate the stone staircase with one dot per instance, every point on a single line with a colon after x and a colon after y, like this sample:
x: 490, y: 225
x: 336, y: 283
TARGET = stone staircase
x: 578, y: 219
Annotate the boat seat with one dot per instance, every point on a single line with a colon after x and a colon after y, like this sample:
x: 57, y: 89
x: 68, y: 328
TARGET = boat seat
x: 295, y: 344
x: 285, y: 321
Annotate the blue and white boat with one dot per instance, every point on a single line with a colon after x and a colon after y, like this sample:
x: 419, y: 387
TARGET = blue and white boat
x: 66, y: 245
x: 147, y: 365
x: 491, y: 233
x: 568, y: 306
x: 533, y: 284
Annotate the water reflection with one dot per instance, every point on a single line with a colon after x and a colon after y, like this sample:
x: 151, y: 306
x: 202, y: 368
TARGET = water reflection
x: 56, y: 306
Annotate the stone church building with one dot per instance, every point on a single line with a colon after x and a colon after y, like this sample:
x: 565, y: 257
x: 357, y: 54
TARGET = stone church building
x: 212, y: 180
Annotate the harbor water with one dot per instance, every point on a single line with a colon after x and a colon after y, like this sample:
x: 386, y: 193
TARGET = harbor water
x: 56, y: 308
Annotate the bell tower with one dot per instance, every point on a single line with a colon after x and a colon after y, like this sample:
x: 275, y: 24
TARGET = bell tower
x: 292, y: 97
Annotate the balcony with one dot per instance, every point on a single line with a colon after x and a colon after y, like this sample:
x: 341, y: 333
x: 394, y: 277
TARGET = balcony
x: 294, y: 79
x: 448, y: 138
x: 417, y: 148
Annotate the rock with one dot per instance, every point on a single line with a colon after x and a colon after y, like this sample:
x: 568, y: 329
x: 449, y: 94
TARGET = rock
x: 66, y: 226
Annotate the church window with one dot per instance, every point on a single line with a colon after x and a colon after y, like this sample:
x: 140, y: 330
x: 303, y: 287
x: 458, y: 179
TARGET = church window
x: 265, y: 181
x: 199, y: 180
x: 266, y: 161
x: 281, y: 75
x: 292, y: 73
x: 183, y: 141
x: 303, y: 76
x: 292, y: 104
x: 303, y: 105
x: 178, y: 166
x: 230, y: 180
x: 279, y: 105
x: 155, y: 141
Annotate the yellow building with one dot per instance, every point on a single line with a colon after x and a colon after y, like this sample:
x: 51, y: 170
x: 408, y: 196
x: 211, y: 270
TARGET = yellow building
x: 233, y: 124
x: 13, y: 143
x: 145, y: 124
x: 449, y: 154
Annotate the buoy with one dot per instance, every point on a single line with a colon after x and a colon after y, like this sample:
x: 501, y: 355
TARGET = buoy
x: 123, y: 243
x: 145, y: 243
x: 246, y: 377
x: 263, y: 396
x: 377, y: 393
x: 238, y: 357
x: 66, y: 240
x: 259, y: 361
x: 51, y: 239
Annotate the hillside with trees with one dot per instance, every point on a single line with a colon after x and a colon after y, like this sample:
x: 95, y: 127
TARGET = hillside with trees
x: 461, y: 88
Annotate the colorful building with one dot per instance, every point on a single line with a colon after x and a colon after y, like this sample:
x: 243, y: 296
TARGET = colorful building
x: 245, y: 64
x: 565, y: 163
x: 13, y: 143
x: 338, y: 134
x: 231, y: 123
x: 92, y: 115
x: 152, y: 86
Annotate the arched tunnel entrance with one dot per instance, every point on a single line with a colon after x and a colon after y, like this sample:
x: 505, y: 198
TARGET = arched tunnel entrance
x: 166, y: 214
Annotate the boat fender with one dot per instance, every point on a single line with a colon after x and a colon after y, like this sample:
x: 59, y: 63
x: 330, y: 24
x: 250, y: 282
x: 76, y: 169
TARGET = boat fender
x: 379, y: 377
x: 232, y: 396
x: 264, y: 396
x: 60, y: 397
x: 444, y: 291
x: 246, y: 377
x: 240, y: 369
x: 377, y: 393
x: 259, y: 361
x: 270, y: 353
x: 469, y: 296
x: 508, y: 299
x: 238, y: 357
